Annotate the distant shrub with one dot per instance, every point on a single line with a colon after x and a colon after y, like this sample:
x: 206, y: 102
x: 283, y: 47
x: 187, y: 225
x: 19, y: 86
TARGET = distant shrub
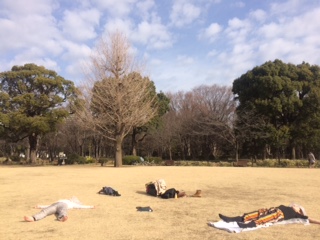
x: 130, y: 160
x: 154, y: 160
x: 287, y: 163
x: 267, y: 163
x: 90, y: 159
x: 76, y: 158
x: 177, y: 163
x: 81, y: 160
x: 72, y: 158
x: 103, y: 161
x: 225, y: 164
x: 15, y: 158
x: 300, y: 163
x: 195, y: 163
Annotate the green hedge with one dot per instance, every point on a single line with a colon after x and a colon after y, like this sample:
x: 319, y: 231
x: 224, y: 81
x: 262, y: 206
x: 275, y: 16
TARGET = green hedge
x: 130, y: 160
x: 104, y: 161
x: 283, y: 163
x: 75, y: 158
x: 154, y: 160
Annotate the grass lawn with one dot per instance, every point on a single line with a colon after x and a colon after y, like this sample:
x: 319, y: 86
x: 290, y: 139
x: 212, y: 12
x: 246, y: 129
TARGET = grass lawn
x: 227, y: 190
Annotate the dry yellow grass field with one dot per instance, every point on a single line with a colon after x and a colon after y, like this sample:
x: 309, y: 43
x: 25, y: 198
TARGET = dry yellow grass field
x: 227, y: 190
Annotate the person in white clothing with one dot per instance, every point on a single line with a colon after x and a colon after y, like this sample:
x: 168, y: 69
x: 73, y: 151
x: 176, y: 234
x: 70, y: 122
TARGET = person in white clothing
x: 59, y: 209
x: 312, y: 160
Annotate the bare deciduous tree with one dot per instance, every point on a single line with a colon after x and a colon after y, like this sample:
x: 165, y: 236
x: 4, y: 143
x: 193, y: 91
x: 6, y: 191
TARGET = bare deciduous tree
x: 205, y: 118
x: 216, y: 114
x: 120, y: 97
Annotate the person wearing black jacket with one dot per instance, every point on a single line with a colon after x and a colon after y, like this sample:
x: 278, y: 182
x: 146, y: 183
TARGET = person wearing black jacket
x: 269, y: 215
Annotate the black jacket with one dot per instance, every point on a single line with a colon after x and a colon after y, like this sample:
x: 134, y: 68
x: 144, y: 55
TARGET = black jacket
x: 289, y: 213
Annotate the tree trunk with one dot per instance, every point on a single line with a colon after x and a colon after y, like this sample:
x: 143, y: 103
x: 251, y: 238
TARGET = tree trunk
x: 136, y: 138
x: 33, y: 141
x: 134, y: 151
x: 237, y: 151
x: 293, y: 153
x: 264, y: 154
x: 118, y: 148
x: 134, y: 142
x: 51, y: 155
x: 278, y: 156
x: 134, y: 146
x: 28, y: 154
x: 80, y: 150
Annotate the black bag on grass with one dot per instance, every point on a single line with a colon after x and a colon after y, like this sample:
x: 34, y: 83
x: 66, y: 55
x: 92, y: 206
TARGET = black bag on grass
x: 109, y: 191
x: 151, y: 189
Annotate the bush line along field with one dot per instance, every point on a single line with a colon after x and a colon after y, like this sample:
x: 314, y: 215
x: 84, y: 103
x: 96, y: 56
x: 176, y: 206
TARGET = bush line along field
x: 227, y: 190
x: 156, y: 161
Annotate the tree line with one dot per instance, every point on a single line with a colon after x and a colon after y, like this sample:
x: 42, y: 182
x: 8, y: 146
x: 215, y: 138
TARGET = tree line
x: 271, y: 111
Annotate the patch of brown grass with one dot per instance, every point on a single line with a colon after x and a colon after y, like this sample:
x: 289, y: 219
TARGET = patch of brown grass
x: 230, y: 191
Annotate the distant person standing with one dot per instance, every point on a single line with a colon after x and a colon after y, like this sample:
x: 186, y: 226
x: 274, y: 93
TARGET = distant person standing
x: 312, y: 160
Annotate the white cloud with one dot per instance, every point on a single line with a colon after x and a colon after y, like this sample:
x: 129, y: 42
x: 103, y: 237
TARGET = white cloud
x: 25, y: 29
x: 80, y: 25
x: 169, y: 79
x: 115, y: 8
x: 212, y: 53
x: 258, y: 15
x: 184, y: 13
x: 269, y: 31
x: 145, y: 8
x: 288, y: 7
x: 22, y: 8
x: 211, y: 32
x: 119, y: 24
x: 291, y: 39
x: 77, y: 69
x: 239, y: 4
x: 154, y: 35
x: 275, y: 48
x: 156, y: 62
x: 32, y: 57
x: 184, y: 60
x: 31, y: 33
x: 74, y: 51
x: 238, y: 30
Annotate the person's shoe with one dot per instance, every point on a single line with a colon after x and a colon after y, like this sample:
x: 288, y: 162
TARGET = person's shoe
x: 197, y: 194
x: 230, y: 219
x: 28, y: 219
x: 63, y: 219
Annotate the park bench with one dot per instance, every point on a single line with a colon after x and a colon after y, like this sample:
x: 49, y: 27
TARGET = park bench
x: 241, y: 163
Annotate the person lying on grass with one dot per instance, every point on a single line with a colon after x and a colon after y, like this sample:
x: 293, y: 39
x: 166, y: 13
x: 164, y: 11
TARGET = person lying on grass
x: 59, y: 209
x: 271, y: 215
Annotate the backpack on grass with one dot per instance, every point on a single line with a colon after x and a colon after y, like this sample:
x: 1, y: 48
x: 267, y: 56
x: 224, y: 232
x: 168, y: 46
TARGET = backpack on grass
x: 151, y: 189
x: 109, y: 191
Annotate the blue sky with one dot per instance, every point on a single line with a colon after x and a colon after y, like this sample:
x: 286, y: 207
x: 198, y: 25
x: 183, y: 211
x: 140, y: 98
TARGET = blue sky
x: 184, y: 43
